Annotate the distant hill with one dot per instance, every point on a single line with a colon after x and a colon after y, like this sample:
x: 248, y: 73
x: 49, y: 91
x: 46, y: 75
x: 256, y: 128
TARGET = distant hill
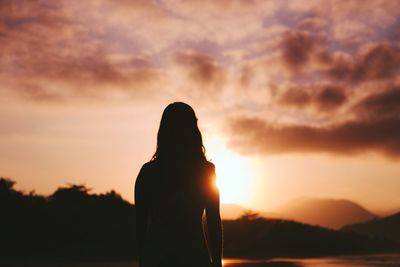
x: 330, y: 213
x: 255, y: 237
x: 388, y: 227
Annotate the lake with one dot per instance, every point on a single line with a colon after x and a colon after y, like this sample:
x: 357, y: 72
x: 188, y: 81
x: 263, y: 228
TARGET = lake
x: 383, y: 260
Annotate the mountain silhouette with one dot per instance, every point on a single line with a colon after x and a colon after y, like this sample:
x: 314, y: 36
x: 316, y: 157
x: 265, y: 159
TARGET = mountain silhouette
x: 252, y: 236
x: 388, y: 227
x: 330, y: 213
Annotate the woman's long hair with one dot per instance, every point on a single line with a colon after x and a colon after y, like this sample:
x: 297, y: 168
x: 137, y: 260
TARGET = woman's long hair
x: 179, y: 138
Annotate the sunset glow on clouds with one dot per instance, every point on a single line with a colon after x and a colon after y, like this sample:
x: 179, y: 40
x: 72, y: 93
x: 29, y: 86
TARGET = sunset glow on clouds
x: 271, y: 77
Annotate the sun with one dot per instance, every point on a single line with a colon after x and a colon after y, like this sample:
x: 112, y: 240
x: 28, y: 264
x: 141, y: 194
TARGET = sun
x: 234, y: 173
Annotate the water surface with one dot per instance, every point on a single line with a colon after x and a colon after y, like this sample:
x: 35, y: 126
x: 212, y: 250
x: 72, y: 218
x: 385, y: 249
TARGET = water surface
x: 383, y: 260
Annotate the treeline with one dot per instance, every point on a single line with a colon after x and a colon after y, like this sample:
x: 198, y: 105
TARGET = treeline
x: 74, y: 224
x: 255, y: 237
x: 71, y: 224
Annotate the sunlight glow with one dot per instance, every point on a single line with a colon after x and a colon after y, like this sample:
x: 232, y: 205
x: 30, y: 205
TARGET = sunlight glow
x: 234, y: 174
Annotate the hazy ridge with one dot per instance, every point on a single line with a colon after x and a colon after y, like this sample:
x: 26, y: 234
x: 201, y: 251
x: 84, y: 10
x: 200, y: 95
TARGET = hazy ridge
x: 325, y: 212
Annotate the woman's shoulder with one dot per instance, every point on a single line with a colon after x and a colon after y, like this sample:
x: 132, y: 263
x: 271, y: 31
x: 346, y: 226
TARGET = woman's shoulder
x: 147, y: 171
x: 150, y: 165
x: 209, y: 165
x: 208, y: 169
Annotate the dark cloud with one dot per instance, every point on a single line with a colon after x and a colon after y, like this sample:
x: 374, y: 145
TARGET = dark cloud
x: 325, y: 98
x: 380, y: 61
x: 340, y: 66
x: 380, y: 104
x: 297, y: 49
x: 330, y: 98
x: 372, y: 125
x: 202, y: 69
x: 256, y: 136
x: 296, y: 97
x: 377, y: 61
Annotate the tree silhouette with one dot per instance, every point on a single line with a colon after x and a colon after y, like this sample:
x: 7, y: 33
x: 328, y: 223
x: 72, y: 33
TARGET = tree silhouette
x: 6, y: 185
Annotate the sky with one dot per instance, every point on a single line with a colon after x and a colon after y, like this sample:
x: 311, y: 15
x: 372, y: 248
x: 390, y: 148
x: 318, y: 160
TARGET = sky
x: 294, y: 98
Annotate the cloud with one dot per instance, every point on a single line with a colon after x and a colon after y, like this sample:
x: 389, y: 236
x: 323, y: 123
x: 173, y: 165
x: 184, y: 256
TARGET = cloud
x: 296, y: 97
x: 297, y: 48
x: 350, y: 22
x: 339, y: 65
x: 380, y: 105
x: 330, y: 98
x: 376, y: 62
x: 322, y: 98
x: 90, y: 75
x: 204, y: 71
x: 226, y: 21
x: 256, y: 136
x: 371, y: 124
x: 48, y: 53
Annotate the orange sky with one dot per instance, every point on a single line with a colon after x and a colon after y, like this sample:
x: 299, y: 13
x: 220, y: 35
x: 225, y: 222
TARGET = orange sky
x: 305, y: 96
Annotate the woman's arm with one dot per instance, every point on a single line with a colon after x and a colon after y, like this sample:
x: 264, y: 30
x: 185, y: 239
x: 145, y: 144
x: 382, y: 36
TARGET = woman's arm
x: 141, y: 213
x: 213, y: 218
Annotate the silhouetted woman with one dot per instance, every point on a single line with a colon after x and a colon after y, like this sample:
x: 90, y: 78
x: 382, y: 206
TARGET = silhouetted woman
x: 172, y: 193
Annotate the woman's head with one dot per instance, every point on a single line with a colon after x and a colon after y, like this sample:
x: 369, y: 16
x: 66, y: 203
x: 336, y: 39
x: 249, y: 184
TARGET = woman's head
x: 179, y: 136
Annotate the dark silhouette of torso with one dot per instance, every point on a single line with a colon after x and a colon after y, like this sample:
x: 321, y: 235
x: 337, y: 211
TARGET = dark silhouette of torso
x: 174, y: 197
